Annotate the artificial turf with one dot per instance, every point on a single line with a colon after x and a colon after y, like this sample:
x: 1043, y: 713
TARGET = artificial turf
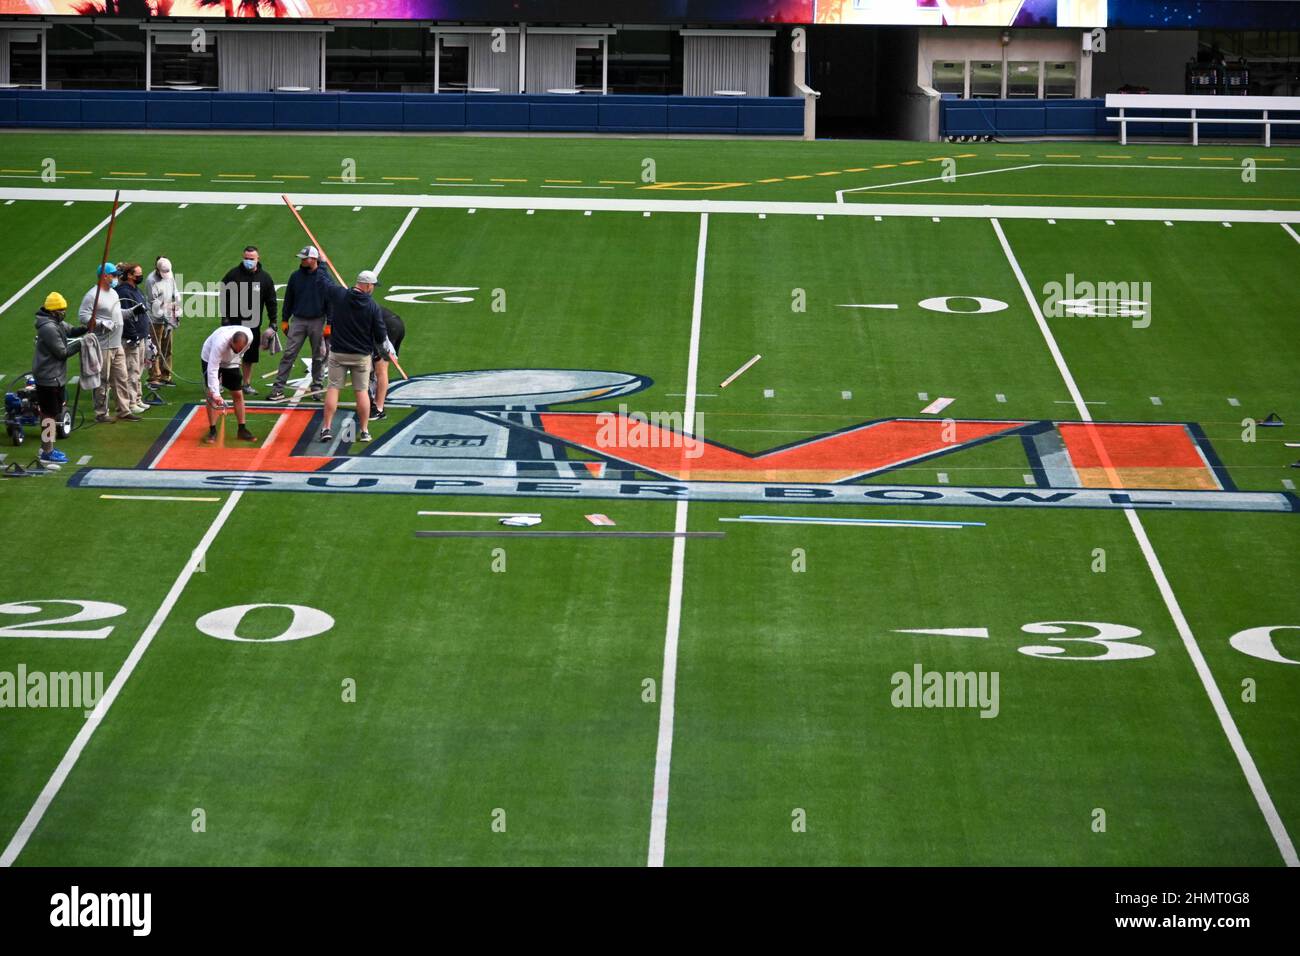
x: 510, y: 690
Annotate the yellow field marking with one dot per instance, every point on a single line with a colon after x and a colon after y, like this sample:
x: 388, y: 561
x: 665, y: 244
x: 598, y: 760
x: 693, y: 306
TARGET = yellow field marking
x: 509, y: 180
x: 855, y: 169
x: 288, y: 176
x: 1217, y: 159
x: 1269, y: 160
x: 911, y: 162
x: 698, y: 187
x: 237, y: 175
x: 798, y: 177
x: 404, y: 178
x: 87, y: 172
x: 558, y: 180
x: 182, y: 174
x: 25, y: 171
x: 884, y: 166
x: 1167, y: 158
x: 938, y: 159
x: 833, y: 172
x: 1112, y: 155
x: 114, y: 172
x: 777, y: 180
x: 945, y: 192
x: 1064, y: 156
x: 966, y: 156
x: 1012, y: 155
x: 618, y: 182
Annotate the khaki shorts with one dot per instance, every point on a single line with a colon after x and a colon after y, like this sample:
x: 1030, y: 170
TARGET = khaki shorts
x: 358, y: 365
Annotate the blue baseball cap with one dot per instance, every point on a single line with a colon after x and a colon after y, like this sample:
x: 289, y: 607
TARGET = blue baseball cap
x: 107, y: 269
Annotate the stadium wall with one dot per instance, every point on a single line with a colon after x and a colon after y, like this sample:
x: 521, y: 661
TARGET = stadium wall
x: 402, y: 112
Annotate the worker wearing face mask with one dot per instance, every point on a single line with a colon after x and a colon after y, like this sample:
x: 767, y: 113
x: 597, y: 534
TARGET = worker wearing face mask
x: 246, y: 290
x: 101, y: 304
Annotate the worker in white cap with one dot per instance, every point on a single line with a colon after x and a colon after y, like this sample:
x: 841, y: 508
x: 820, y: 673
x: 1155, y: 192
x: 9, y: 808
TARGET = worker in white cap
x: 357, y: 333
x: 304, y: 318
x: 164, y: 297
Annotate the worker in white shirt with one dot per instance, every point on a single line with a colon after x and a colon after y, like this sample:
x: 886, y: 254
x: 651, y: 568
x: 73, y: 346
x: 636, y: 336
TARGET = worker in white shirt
x: 220, y: 358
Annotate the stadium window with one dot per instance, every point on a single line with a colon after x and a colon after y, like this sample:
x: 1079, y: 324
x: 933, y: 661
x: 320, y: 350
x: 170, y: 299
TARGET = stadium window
x: 948, y: 76
x: 95, y: 56
x: 379, y: 59
x: 1022, y: 79
x: 641, y: 60
x: 986, y: 79
x: 24, y: 57
x: 1060, y: 80
x: 173, y: 61
x: 453, y: 63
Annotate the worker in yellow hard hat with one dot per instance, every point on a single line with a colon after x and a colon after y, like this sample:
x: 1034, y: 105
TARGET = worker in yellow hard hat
x: 55, y: 341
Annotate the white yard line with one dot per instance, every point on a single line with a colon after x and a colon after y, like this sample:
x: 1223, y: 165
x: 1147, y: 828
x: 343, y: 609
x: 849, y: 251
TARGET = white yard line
x: 1247, y: 762
x: 641, y: 204
x: 1291, y: 232
x: 668, y: 684
x: 392, y: 243
x: 63, y: 258
x: 839, y: 194
x: 55, y: 783
x: 52, y: 786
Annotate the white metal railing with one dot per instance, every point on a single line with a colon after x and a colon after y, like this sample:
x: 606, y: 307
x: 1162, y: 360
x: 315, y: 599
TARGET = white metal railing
x: 1262, y: 105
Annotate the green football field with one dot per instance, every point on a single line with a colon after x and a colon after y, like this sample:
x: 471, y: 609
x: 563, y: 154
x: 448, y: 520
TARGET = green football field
x: 1004, y: 632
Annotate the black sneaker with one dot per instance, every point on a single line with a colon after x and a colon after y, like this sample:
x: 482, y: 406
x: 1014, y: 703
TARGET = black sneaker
x: 364, y: 436
x: 276, y: 394
x: 169, y: 384
x: 325, y: 435
x: 379, y: 416
x: 316, y: 391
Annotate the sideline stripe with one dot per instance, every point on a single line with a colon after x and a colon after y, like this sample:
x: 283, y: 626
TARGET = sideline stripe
x: 641, y: 204
x: 675, y: 535
x: 61, y: 259
x: 868, y: 522
x: 1291, y: 232
x: 482, y: 514
x: 668, y: 683
x: 155, y: 498
x: 1257, y: 787
x: 51, y: 789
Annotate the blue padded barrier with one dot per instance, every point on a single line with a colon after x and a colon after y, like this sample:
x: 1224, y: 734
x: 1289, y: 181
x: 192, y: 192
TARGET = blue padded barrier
x: 414, y: 112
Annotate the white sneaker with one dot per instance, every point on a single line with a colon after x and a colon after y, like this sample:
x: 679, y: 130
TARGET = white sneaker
x: 141, y: 409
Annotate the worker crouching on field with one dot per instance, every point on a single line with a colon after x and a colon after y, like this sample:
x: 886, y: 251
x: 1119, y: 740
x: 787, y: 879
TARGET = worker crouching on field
x: 220, y: 359
x: 55, y: 341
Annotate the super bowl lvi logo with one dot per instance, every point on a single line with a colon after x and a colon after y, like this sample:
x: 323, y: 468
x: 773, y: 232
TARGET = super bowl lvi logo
x: 515, y: 432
